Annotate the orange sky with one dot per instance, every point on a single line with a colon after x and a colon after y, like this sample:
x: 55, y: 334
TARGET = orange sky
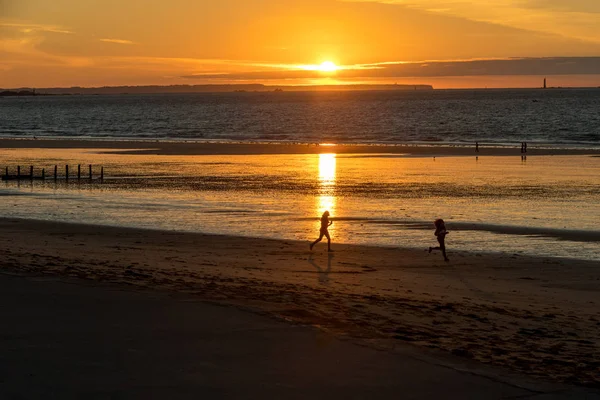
x: 137, y: 42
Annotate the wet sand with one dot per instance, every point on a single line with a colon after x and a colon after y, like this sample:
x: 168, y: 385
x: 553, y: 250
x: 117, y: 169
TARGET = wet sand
x: 535, y: 316
x: 204, y: 148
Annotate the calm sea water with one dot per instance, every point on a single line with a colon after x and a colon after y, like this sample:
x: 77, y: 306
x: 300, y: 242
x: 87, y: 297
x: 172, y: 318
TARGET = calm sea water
x: 553, y: 117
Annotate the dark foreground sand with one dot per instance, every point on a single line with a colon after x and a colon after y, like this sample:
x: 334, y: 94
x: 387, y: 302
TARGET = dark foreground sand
x: 203, y: 148
x: 534, y: 316
x: 65, y: 339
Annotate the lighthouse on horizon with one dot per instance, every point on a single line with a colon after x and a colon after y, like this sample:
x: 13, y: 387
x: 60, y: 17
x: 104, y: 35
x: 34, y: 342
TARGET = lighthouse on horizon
x: 544, y: 83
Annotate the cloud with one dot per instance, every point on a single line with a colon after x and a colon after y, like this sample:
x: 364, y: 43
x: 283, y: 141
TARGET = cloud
x: 118, y: 41
x: 589, y: 6
x: 33, y: 28
x: 21, y: 45
x: 424, y: 69
x: 23, y: 70
x: 21, y: 53
x: 576, y: 19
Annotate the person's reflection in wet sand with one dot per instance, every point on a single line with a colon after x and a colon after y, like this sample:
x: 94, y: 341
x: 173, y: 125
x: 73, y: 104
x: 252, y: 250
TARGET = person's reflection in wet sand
x: 323, y: 274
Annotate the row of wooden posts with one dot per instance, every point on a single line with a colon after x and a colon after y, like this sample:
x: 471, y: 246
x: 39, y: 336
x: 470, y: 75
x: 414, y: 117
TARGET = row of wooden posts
x: 19, y: 177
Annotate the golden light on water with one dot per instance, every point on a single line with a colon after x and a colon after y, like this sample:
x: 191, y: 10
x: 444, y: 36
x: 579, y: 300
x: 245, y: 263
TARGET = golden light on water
x: 327, y: 166
x: 327, y: 177
x: 326, y: 203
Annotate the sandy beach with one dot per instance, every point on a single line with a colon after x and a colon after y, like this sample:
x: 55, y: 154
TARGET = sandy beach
x: 535, y: 316
x: 73, y: 339
x: 166, y: 171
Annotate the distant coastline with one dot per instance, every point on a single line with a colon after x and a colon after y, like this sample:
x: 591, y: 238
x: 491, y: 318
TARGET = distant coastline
x: 248, y: 88
x: 156, y: 89
x: 20, y: 93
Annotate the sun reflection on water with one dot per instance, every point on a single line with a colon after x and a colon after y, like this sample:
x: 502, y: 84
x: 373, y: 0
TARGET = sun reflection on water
x: 327, y: 165
x: 327, y: 177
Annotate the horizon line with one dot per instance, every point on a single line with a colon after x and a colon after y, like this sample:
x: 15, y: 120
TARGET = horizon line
x: 328, y: 87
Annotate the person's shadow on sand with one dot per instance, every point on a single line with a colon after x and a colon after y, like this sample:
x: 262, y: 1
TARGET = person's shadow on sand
x: 323, y: 274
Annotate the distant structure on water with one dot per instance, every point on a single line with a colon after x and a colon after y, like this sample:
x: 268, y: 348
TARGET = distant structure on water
x: 545, y: 83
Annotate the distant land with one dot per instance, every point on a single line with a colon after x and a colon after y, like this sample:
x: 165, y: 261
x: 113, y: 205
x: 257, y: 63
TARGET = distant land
x: 201, y: 89
x: 19, y: 92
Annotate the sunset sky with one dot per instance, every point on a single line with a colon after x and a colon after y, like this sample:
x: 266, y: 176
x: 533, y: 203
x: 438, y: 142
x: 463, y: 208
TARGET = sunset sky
x: 446, y: 43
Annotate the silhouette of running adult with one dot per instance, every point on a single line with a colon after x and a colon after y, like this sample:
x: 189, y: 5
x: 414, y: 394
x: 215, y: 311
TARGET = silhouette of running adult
x: 440, y: 233
x: 325, y: 223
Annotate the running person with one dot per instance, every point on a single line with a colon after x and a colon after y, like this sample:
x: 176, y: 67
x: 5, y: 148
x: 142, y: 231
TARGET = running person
x: 325, y: 223
x: 440, y: 233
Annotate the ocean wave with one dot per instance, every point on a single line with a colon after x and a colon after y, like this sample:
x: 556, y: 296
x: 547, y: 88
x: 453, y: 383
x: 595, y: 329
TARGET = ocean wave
x: 573, y: 235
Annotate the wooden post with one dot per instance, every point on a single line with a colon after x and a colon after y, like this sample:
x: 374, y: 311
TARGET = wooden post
x: 43, y: 174
x: 102, y: 174
x: 67, y: 172
x: 78, y: 172
x: 19, y: 172
x: 31, y: 172
x: 55, y: 173
x: 90, y: 172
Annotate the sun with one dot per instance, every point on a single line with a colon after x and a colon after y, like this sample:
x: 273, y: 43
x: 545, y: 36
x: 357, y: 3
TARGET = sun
x: 328, y: 66
x: 325, y: 67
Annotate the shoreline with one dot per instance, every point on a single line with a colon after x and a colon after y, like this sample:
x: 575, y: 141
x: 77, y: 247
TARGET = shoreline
x: 191, y: 148
x: 539, y: 232
x: 532, y: 315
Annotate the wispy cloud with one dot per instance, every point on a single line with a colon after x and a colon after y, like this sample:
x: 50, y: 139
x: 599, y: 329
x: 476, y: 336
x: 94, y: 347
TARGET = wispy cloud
x: 118, y: 41
x: 579, y: 19
x: 425, y: 69
x: 20, y: 53
x: 33, y: 28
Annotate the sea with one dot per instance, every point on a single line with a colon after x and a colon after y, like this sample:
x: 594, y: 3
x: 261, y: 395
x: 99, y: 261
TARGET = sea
x: 553, y: 117
x: 545, y: 206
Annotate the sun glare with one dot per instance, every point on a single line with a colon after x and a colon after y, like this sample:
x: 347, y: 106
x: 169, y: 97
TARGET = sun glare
x: 328, y: 66
x: 325, y: 67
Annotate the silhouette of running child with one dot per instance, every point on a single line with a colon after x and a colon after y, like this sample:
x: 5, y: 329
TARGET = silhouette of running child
x: 325, y: 223
x: 440, y: 233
